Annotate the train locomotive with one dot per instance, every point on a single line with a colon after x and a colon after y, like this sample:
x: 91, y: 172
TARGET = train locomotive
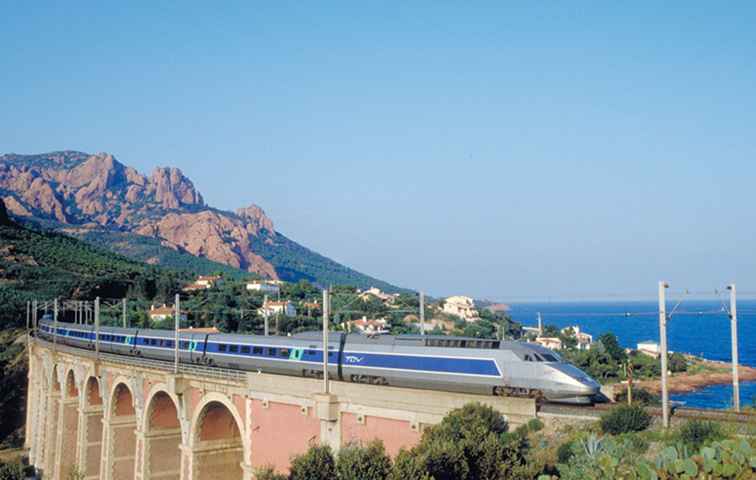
x: 457, y: 364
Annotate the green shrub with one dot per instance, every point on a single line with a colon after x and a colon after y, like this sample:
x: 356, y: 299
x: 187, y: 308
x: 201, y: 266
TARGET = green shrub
x: 624, y: 419
x: 729, y: 459
x: 315, y: 464
x: 640, y: 396
x: 535, y: 425
x: 696, y: 433
x: 470, y: 443
x: 565, y: 452
x: 357, y: 462
x: 12, y: 471
x: 268, y: 473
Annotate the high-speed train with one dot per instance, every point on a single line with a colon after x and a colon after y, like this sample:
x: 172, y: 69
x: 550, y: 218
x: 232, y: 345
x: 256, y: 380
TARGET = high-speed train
x: 459, y: 364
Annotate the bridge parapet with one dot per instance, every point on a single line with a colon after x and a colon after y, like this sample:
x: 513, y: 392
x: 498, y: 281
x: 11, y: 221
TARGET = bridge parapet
x: 136, y: 418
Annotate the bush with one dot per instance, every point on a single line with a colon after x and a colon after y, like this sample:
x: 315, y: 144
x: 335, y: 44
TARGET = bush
x: 12, y: 471
x: 640, y: 396
x: 268, y: 473
x: 535, y: 425
x: 565, y: 452
x: 357, y: 462
x: 696, y: 433
x: 624, y: 419
x: 315, y: 464
x: 470, y: 443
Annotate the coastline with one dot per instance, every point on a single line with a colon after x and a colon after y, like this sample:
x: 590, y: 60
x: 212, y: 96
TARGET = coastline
x: 717, y: 373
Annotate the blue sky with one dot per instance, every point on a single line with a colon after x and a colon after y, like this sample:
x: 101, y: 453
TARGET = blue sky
x: 495, y: 149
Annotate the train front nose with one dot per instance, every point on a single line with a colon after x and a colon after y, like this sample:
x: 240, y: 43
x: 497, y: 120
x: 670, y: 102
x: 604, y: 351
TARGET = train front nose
x: 575, y: 381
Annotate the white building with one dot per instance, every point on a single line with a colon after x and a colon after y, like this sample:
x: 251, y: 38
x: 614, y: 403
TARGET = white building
x: 207, y: 281
x: 584, y: 340
x: 552, y: 343
x: 650, y: 348
x: 462, y: 307
x: 163, y: 313
x: 272, y: 308
x: 264, y: 286
x: 371, y: 327
x: 377, y: 293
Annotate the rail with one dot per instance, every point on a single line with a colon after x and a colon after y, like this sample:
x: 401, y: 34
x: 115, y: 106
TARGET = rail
x: 595, y: 411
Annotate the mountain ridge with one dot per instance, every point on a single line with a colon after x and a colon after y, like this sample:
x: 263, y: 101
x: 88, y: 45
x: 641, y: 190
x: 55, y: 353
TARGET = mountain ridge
x: 94, y: 192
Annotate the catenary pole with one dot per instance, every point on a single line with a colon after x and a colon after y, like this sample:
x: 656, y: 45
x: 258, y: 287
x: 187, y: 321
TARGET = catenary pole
x: 663, y: 344
x: 176, y: 336
x: 123, y: 315
x: 422, y: 313
x: 734, y: 334
x: 97, y: 326
x: 55, y: 324
x: 265, y: 314
x: 326, y: 314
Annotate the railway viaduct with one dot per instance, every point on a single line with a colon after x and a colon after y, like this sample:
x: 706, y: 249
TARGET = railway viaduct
x: 116, y: 418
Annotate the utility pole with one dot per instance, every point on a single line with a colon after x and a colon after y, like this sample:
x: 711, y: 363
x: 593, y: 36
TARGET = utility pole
x: 97, y: 326
x: 540, y: 325
x: 663, y: 344
x: 265, y: 314
x: 124, y: 313
x: 326, y: 313
x: 176, y: 336
x: 422, y: 313
x: 629, y: 372
x: 734, y: 334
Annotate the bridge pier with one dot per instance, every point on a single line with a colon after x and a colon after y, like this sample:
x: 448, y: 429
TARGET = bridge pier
x: 51, y: 433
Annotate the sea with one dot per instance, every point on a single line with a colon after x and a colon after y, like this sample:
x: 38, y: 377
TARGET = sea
x: 698, y: 327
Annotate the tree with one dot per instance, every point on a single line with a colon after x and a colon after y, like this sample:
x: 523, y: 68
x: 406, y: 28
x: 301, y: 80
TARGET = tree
x: 613, y: 348
x: 470, y: 443
x: 357, y: 462
x: 315, y: 464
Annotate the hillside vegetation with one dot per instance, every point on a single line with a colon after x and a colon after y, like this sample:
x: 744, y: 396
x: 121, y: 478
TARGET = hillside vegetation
x: 44, y: 265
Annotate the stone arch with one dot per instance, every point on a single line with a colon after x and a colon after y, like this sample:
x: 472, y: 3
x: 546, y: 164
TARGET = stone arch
x: 162, y: 435
x: 92, y: 429
x: 121, y: 453
x: 218, y: 442
x: 69, y: 426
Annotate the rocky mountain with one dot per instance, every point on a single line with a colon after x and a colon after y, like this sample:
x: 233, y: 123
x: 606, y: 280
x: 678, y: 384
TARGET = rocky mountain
x: 84, y: 194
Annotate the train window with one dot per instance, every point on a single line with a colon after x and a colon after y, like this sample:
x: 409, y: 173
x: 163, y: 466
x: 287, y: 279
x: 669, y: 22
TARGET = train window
x: 222, y: 347
x: 310, y: 352
x: 331, y: 354
x: 233, y: 348
x: 550, y: 358
x: 257, y: 350
x: 540, y: 358
x: 284, y: 353
x: 184, y: 345
x: 528, y: 358
x: 153, y: 341
x: 245, y: 349
x: 272, y: 352
x: 169, y: 344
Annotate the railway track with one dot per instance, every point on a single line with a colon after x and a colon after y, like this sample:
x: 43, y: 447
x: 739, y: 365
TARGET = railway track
x: 595, y: 411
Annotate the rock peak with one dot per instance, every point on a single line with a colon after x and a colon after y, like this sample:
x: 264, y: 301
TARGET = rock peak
x: 256, y: 216
x: 173, y: 189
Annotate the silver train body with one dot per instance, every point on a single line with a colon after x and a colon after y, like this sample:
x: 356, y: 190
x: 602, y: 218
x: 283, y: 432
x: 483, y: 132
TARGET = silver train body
x: 458, y: 364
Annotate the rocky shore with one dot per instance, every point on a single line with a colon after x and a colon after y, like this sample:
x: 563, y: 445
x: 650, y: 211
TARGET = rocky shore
x: 714, y: 373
